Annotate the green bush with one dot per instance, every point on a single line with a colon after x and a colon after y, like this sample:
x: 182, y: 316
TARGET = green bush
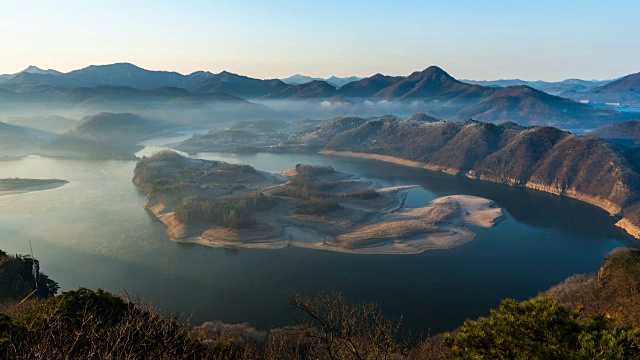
x: 17, y: 281
x: 542, y: 329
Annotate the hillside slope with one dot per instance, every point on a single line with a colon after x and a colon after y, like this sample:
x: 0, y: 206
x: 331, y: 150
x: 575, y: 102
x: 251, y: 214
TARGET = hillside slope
x: 625, y: 90
x: 544, y: 158
x: 626, y: 132
x: 523, y: 104
x: 102, y: 136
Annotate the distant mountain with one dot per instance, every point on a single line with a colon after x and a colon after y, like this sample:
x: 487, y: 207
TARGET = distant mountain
x: 238, y: 85
x: 434, y: 91
x: 312, y: 90
x: 625, y: 90
x: 103, y: 136
x: 298, y: 79
x: 36, y: 70
x: 367, y: 87
x: 550, y: 87
x: 50, y: 123
x: 626, y: 132
x: 442, y: 96
x: 108, y: 97
x: 115, y: 128
x: 18, y: 141
x: 129, y: 75
x: 121, y: 74
x: 432, y: 83
x: 334, y: 80
x: 177, y: 105
x: 526, y: 105
x: 125, y: 74
x: 341, y: 81
x: 131, y: 95
x: 29, y: 70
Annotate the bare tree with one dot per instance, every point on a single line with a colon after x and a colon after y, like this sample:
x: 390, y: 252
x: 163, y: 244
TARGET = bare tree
x: 346, y: 331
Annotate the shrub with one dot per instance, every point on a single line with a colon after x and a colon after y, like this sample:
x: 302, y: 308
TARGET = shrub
x: 314, y: 170
x: 86, y: 324
x: 241, y: 168
x: 166, y: 155
x: 233, y: 212
x: 340, y: 330
x: 542, y: 329
x: 363, y: 193
x: 17, y: 281
x: 317, y: 206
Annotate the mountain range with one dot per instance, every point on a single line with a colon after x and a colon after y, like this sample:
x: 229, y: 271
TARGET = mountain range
x: 432, y: 90
x: 624, y: 90
x: 334, y: 80
x: 29, y: 70
x: 550, y: 87
x: 129, y: 75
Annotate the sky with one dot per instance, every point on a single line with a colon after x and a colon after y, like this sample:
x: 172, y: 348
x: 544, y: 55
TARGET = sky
x: 470, y: 39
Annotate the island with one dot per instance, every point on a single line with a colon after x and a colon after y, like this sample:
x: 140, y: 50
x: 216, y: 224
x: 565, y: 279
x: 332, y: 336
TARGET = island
x: 20, y: 186
x: 217, y: 204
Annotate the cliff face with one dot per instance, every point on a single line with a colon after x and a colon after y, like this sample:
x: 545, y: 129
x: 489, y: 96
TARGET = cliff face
x: 544, y: 158
x: 16, y: 279
x: 548, y: 159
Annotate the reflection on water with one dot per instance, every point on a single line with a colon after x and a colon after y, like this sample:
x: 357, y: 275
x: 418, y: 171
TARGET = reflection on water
x: 94, y: 232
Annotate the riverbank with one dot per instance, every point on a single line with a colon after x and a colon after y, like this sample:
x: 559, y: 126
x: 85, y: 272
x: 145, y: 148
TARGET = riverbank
x: 612, y: 208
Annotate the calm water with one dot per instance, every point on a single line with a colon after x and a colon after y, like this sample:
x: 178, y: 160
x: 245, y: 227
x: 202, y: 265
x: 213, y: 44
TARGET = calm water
x: 94, y: 232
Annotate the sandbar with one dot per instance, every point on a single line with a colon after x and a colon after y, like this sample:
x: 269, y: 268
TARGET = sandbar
x: 21, y: 186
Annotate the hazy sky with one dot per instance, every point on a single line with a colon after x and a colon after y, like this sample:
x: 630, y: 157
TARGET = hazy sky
x: 474, y: 39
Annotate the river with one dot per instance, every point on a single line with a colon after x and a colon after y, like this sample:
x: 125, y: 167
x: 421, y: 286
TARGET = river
x: 93, y: 232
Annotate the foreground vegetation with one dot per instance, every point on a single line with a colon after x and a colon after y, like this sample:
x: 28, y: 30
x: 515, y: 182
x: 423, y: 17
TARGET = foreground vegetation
x: 86, y: 324
x: 17, y: 280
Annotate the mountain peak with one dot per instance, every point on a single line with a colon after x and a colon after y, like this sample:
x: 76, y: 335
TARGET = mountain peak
x: 435, y: 74
x: 36, y: 70
x: 434, y: 69
x: 120, y: 65
x: 227, y: 73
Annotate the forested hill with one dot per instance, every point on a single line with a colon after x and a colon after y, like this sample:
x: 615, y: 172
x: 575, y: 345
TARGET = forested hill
x: 545, y: 158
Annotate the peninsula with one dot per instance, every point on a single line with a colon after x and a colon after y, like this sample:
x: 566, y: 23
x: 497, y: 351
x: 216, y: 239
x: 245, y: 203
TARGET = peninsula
x: 236, y: 206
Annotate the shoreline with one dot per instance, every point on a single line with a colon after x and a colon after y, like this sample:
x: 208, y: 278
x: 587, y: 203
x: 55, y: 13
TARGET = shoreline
x: 48, y: 186
x: 613, y: 209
